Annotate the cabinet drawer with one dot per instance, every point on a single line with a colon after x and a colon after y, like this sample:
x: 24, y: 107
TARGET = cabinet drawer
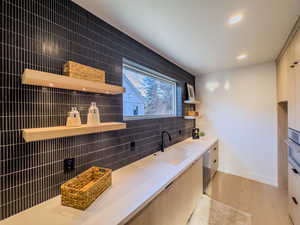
x: 294, y: 182
x: 215, y: 164
x: 294, y: 194
x: 214, y: 157
x: 215, y: 152
x: 294, y: 210
x: 214, y: 167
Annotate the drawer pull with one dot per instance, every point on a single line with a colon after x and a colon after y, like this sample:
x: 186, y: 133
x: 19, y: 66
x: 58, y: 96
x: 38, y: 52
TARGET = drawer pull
x: 215, y: 161
x: 295, y: 200
x: 295, y: 171
x: 215, y: 148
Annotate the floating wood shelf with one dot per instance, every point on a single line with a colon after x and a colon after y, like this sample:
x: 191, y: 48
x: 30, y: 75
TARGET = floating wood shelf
x: 39, y: 78
x: 191, y: 102
x: 190, y: 117
x: 36, y: 134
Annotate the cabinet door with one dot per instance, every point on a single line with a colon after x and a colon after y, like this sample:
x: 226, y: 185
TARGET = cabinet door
x: 176, y: 203
x: 185, y: 193
x: 214, y: 160
x: 155, y: 213
x: 197, y: 181
x: 282, y: 79
x: 293, y: 56
x: 292, y: 88
x: 292, y: 98
x: 296, y: 64
x: 297, y: 48
x: 297, y: 96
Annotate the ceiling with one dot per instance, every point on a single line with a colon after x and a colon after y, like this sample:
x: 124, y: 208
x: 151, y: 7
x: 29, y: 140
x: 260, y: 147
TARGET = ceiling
x: 195, y: 34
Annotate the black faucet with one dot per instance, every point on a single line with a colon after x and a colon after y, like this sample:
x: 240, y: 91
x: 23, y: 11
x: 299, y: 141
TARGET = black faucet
x: 162, y: 146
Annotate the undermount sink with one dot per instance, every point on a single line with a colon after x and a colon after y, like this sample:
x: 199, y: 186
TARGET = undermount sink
x: 171, y: 156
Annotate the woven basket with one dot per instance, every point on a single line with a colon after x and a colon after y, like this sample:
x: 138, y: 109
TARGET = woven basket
x: 77, y: 70
x: 83, y: 189
x: 192, y: 113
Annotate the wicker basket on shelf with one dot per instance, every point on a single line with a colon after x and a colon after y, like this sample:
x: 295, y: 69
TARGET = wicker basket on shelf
x: 83, y: 189
x: 192, y: 113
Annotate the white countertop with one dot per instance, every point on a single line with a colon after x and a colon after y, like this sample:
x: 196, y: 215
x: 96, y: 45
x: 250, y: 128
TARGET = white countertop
x: 133, y: 187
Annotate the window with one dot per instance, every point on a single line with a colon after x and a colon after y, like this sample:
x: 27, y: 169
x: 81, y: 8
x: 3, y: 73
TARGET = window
x: 149, y: 94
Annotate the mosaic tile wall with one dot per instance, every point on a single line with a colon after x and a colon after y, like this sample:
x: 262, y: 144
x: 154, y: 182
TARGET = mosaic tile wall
x: 43, y: 35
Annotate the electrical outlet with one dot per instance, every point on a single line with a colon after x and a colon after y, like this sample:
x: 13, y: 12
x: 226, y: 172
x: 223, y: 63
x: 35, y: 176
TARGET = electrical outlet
x: 69, y: 165
x: 132, y: 146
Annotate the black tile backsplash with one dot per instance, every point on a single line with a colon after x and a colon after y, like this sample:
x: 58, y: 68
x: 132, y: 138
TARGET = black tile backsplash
x: 43, y: 35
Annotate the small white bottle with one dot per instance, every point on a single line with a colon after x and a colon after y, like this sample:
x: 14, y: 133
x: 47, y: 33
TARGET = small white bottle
x: 73, y: 119
x: 93, y: 115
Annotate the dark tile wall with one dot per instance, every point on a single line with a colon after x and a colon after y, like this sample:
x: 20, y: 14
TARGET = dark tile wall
x: 43, y: 35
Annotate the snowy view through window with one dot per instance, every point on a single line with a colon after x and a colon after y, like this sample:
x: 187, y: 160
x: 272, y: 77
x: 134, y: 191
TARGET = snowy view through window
x: 146, y: 95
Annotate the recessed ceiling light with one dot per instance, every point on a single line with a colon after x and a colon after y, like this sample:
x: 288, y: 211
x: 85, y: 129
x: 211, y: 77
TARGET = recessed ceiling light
x: 235, y: 19
x: 243, y: 56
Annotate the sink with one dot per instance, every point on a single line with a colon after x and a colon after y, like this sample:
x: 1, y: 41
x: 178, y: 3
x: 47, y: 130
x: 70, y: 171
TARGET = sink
x: 171, y: 156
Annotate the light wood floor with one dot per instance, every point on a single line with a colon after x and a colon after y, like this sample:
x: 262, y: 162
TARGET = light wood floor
x: 267, y: 204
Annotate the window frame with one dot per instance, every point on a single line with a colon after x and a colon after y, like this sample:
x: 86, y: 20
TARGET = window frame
x: 151, y: 73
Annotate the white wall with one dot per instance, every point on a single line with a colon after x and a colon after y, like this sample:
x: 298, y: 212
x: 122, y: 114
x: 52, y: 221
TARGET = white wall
x: 239, y: 106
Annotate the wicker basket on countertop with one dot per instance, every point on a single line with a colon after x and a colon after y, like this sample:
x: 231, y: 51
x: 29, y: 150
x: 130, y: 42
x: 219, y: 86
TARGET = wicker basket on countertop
x: 80, y: 71
x: 83, y: 189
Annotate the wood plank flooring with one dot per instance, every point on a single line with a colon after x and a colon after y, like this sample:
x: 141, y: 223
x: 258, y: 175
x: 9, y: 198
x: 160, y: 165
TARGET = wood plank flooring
x: 267, y: 204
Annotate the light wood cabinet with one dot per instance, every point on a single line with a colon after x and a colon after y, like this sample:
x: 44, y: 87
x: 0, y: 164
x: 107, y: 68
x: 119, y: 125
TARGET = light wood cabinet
x: 296, y: 73
x: 293, y: 78
x: 297, y: 47
x: 282, y: 79
x: 189, y: 190
x: 294, y: 86
x: 154, y: 213
x: 289, y: 60
x: 175, y: 204
x: 288, y: 78
x: 291, y: 97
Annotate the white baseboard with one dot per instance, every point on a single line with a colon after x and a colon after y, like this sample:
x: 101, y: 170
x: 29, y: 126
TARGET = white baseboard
x: 255, y: 177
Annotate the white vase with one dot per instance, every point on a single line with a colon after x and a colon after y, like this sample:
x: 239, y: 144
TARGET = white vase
x: 73, y: 119
x: 93, y: 115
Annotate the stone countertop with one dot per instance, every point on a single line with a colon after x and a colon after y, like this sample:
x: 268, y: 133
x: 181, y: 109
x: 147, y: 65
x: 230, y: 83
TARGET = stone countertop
x: 134, y: 186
